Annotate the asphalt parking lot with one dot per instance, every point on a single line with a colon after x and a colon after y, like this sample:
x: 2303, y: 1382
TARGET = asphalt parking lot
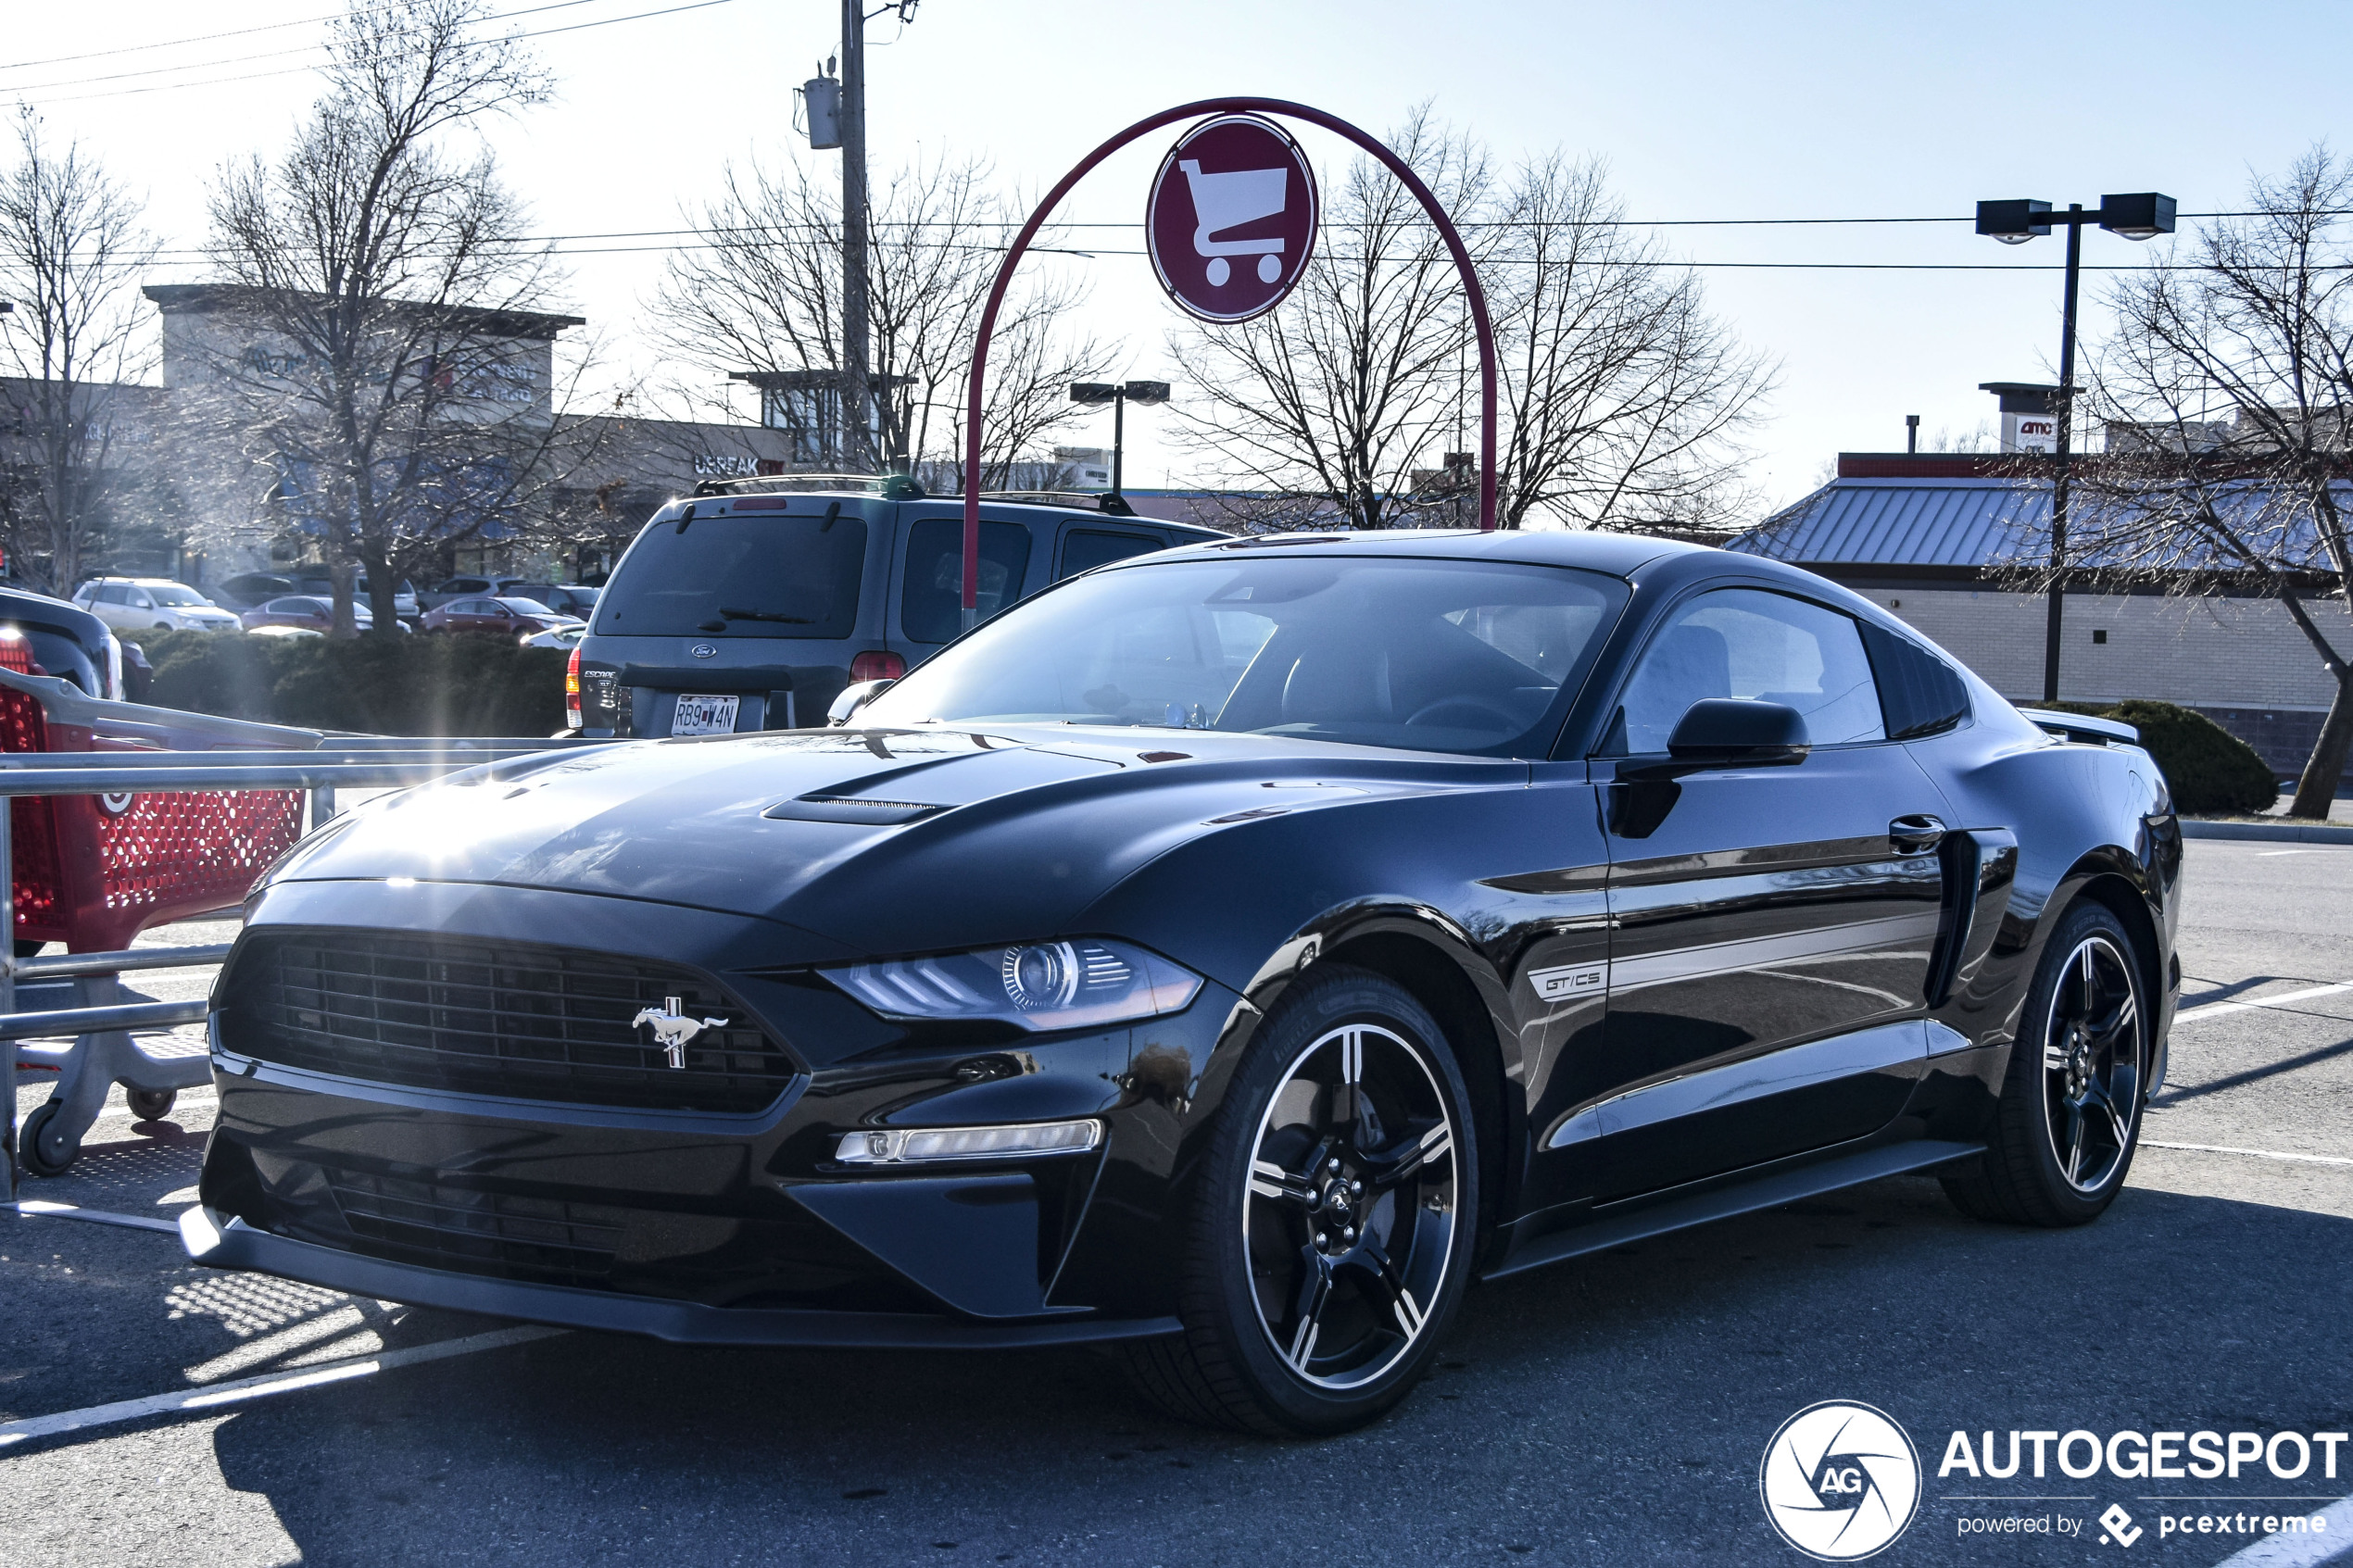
x: 1608, y: 1411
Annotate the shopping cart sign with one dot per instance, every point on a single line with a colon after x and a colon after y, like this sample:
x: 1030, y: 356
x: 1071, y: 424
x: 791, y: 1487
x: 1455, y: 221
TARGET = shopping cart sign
x: 1232, y: 217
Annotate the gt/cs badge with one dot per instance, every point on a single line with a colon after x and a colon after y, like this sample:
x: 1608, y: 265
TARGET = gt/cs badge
x: 1570, y: 980
x: 704, y: 650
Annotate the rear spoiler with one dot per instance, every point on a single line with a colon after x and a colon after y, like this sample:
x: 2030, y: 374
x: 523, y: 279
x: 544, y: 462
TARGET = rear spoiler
x: 2083, y: 730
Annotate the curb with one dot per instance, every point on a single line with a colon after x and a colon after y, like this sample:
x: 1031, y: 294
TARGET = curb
x: 2284, y: 832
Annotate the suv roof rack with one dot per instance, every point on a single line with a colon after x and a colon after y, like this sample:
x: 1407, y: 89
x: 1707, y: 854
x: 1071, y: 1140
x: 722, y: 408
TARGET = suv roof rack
x: 894, y: 486
x: 1087, y: 500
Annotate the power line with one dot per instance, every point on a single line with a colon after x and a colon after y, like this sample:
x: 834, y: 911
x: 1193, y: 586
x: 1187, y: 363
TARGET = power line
x: 177, y: 42
x: 267, y: 54
x: 296, y: 71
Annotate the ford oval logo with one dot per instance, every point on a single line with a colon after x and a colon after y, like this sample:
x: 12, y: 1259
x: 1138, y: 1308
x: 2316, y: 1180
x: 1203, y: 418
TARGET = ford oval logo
x: 704, y: 650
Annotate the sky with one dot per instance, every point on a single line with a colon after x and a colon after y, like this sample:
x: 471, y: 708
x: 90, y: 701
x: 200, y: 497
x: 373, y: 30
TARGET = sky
x: 1702, y: 111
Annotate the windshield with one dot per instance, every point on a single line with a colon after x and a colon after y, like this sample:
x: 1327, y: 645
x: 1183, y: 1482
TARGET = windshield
x: 1472, y: 656
x: 526, y: 606
x: 176, y: 596
x: 758, y: 576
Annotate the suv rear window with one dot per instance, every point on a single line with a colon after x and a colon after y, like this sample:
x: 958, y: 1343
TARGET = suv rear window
x: 739, y: 576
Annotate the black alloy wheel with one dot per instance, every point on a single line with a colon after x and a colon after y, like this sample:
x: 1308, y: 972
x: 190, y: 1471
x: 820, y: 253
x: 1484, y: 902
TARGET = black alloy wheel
x: 2069, y: 1114
x: 2093, y: 1057
x: 1333, y: 1226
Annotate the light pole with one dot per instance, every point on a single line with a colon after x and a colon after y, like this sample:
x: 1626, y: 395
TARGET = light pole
x: 2139, y: 216
x: 1118, y: 395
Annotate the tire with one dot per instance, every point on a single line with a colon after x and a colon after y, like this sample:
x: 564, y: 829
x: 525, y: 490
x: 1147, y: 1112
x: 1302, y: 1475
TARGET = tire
x: 41, y: 1150
x: 1331, y: 1228
x: 151, y: 1105
x: 2069, y: 1114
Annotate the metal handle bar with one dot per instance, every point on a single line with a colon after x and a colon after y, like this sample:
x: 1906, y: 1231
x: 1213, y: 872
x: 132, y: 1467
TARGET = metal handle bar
x: 23, y: 761
x: 59, y: 964
x: 90, y: 1021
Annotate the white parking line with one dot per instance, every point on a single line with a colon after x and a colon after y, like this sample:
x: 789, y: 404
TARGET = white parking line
x: 2301, y: 1550
x: 2218, y: 1010
x: 95, y: 1216
x: 2251, y: 1153
x: 186, y: 1102
x: 247, y: 1389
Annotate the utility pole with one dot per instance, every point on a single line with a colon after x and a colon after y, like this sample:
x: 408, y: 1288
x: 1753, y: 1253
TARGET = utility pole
x: 857, y: 394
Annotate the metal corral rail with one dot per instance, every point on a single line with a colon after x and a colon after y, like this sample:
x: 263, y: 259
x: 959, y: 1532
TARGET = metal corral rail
x: 265, y: 757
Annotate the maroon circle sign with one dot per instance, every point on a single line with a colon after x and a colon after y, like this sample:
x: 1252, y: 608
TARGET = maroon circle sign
x: 1232, y: 217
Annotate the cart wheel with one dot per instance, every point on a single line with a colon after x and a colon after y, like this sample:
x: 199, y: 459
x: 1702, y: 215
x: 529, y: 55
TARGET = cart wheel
x: 151, y: 1105
x: 43, y: 1151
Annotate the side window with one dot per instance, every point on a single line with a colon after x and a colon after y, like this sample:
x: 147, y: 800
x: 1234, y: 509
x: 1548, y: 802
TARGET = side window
x: 1747, y: 643
x: 1087, y: 548
x: 114, y: 594
x: 1918, y: 693
x: 931, y: 604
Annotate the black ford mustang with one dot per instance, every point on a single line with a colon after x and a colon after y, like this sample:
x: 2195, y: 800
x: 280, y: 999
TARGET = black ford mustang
x: 1229, y: 954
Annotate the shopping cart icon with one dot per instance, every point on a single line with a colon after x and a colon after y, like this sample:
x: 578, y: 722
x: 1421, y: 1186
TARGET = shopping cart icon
x: 1229, y: 201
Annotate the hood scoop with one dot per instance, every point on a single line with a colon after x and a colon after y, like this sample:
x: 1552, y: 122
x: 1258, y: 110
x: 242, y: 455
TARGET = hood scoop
x: 890, y: 796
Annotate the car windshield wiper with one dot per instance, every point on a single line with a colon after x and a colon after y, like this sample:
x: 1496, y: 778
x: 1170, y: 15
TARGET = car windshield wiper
x: 766, y: 615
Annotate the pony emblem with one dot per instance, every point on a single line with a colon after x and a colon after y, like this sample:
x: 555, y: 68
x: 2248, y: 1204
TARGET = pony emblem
x: 673, y: 1029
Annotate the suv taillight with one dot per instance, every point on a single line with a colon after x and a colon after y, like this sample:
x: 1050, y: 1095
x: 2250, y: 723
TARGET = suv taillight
x: 877, y: 664
x: 571, y: 689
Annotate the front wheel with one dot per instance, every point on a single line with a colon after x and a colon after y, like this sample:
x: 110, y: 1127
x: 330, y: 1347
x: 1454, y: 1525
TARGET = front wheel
x: 1332, y: 1227
x: 2070, y: 1115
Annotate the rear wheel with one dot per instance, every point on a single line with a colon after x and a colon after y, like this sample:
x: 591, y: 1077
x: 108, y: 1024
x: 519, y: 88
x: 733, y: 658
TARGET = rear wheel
x: 2069, y: 1114
x: 1330, y: 1236
x: 40, y: 1145
x: 151, y: 1105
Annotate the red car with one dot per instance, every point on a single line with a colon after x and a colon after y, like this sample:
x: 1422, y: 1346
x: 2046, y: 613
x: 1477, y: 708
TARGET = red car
x: 511, y: 616
x: 302, y: 611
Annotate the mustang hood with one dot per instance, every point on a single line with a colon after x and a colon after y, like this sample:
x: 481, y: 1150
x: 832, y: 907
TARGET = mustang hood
x: 882, y: 840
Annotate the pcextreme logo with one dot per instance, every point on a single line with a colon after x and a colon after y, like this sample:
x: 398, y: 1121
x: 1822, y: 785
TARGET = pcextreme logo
x: 1840, y: 1481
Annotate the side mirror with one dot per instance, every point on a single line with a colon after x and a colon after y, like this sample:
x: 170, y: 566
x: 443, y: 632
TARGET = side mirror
x: 855, y: 696
x: 1727, y: 732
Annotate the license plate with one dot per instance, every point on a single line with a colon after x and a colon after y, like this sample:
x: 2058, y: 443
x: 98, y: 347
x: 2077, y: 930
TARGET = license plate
x: 704, y: 716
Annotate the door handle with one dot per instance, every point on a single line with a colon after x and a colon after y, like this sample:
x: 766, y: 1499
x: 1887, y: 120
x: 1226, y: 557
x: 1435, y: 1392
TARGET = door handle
x: 1915, y: 834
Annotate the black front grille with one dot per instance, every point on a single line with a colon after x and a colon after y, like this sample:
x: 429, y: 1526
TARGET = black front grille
x: 533, y: 1239
x: 506, y: 1019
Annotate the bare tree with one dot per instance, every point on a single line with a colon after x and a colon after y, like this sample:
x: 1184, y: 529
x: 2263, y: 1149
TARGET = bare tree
x: 762, y: 293
x: 383, y: 346
x: 70, y: 250
x: 2227, y: 390
x: 1624, y: 398
x: 1621, y: 399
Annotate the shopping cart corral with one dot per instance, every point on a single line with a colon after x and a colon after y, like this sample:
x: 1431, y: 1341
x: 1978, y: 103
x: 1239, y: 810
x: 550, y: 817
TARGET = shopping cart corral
x: 117, y: 818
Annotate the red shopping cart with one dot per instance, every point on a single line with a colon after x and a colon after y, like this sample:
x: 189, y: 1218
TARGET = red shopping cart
x: 92, y: 872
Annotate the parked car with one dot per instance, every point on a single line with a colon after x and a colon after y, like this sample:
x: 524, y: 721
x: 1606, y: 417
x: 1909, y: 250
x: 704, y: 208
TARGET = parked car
x: 66, y: 640
x: 404, y: 596
x: 138, y: 675
x: 249, y: 589
x: 471, y: 587
x: 565, y: 599
x: 753, y: 611
x: 508, y: 617
x: 304, y: 612
x: 152, y: 604
x: 1227, y: 956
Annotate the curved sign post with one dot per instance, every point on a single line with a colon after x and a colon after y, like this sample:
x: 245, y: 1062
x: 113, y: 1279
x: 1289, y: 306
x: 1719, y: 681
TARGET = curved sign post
x: 1226, y: 250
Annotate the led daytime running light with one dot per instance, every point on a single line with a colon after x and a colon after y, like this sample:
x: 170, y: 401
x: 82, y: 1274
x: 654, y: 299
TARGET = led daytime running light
x: 924, y: 1145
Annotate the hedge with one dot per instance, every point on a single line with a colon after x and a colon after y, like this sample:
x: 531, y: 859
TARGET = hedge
x: 422, y: 684
x: 2211, y: 770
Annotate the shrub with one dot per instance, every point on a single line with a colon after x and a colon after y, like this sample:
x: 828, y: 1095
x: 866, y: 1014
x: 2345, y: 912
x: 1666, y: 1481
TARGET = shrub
x: 419, y: 685
x: 2208, y: 769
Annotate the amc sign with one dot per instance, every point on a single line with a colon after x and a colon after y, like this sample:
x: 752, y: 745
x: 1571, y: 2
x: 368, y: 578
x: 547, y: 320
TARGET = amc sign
x: 2031, y: 433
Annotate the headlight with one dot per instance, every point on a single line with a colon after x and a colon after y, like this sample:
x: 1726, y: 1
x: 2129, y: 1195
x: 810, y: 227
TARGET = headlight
x: 1037, y: 985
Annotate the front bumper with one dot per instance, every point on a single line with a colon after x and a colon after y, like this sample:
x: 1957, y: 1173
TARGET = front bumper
x: 225, y: 1242
x: 722, y: 1227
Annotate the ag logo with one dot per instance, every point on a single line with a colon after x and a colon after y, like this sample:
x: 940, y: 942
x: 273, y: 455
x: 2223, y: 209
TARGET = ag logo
x: 1840, y: 1481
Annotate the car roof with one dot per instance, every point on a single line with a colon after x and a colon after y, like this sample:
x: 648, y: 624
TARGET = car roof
x: 1068, y: 511
x: 1618, y: 555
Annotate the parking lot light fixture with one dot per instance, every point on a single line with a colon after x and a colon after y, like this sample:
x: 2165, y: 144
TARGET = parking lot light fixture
x: 1094, y: 394
x: 2141, y: 215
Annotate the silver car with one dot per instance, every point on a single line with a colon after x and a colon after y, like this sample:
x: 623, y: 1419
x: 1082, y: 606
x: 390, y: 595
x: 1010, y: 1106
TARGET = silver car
x: 152, y: 604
